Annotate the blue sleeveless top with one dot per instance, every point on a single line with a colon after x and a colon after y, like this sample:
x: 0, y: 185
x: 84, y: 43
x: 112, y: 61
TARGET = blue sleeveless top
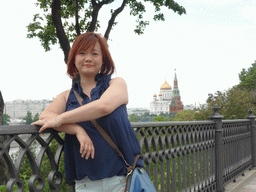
x: 106, y: 162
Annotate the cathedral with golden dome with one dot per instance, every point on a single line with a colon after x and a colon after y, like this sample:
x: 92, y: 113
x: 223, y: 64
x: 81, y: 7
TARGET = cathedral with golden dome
x: 168, y: 101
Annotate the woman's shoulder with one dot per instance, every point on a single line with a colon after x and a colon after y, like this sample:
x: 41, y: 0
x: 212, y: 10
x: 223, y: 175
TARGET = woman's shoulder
x: 117, y: 80
x: 64, y: 95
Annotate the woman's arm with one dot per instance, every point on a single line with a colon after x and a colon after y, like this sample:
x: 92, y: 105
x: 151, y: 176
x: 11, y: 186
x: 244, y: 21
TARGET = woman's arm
x: 86, y: 144
x: 115, y: 96
x: 57, y: 107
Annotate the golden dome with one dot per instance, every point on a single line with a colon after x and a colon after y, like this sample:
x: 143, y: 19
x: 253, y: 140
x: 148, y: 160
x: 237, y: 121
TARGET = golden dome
x: 165, y: 86
x: 154, y: 95
x: 160, y: 94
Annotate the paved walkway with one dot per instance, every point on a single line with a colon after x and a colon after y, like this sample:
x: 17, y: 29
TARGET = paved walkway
x: 246, y: 183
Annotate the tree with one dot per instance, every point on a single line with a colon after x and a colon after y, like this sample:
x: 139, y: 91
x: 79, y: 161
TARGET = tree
x: 133, y: 118
x: 28, y: 118
x: 234, y: 103
x: 36, y: 117
x: 144, y: 117
x: 185, y: 115
x: 6, y: 119
x: 70, y: 11
x: 159, y: 118
x: 203, y: 114
x: 248, y: 78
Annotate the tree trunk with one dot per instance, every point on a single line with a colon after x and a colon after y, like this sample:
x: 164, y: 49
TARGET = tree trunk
x: 3, y: 165
x: 56, y: 18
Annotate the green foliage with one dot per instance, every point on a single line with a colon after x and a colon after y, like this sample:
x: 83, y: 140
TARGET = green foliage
x: 146, y: 117
x: 234, y: 103
x: 28, y: 118
x: 36, y: 117
x: 133, y: 118
x: 203, y: 114
x: 6, y: 119
x: 248, y: 78
x: 163, y: 117
x: 185, y: 115
x: 44, y: 28
x: 2, y: 188
x: 159, y: 118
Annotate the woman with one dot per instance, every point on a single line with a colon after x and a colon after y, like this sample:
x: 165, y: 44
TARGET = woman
x: 89, y: 159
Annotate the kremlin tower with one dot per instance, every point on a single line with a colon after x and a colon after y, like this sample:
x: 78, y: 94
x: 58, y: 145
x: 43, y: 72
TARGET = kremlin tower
x: 168, y: 101
x: 176, y: 104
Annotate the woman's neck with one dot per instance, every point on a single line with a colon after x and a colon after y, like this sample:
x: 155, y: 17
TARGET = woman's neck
x: 87, y: 81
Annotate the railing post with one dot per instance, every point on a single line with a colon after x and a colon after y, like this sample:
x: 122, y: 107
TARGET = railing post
x: 3, y: 164
x: 218, y: 148
x: 253, y: 137
x: 1, y: 109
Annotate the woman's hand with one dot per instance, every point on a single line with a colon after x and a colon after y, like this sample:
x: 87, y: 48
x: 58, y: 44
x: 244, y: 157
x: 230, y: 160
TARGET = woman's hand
x: 86, y: 145
x: 49, y: 122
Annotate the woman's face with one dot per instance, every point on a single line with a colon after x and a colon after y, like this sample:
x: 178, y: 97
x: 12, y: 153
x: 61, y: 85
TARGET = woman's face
x: 89, y: 62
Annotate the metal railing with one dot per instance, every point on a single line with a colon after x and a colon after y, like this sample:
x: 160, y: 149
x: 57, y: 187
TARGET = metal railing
x: 178, y: 156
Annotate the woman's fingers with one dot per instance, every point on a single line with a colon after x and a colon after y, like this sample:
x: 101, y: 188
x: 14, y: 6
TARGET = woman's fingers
x: 87, y: 150
x: 86, y: 144
x: 42, y: 129
x: 92, y: 153
x: 38, y: 122
x: 45, y: 123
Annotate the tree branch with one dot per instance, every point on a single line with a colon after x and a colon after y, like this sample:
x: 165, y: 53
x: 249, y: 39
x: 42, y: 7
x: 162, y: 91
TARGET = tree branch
x: 76, y: 17
x: 113, y: 17
x: 56, y: 18
x: 95, y: 13
x: 93, y: 3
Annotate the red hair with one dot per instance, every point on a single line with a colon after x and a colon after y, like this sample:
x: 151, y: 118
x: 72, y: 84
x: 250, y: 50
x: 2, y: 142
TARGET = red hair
x: 84, y: 42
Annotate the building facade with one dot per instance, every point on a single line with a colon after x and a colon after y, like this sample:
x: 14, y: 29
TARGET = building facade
x: 18, y: 109
x: 168, y: 101
x: 137, y: 111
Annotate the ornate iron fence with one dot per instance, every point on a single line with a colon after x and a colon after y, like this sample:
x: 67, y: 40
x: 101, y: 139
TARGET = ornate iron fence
x: 178, y: 156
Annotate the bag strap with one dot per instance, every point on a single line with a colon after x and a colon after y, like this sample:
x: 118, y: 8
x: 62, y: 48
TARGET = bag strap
x: 106, y: 137
x: 103, y: 132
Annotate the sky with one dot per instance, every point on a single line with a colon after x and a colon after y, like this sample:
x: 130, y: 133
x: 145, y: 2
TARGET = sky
x: 208, y: 47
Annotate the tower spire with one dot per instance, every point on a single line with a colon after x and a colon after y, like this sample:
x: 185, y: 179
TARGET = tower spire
x: 176, y: 92
x: 175, y: 77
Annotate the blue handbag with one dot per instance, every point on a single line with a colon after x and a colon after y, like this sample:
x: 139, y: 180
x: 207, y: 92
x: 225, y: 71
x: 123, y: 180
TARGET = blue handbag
x: 137, y: 179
